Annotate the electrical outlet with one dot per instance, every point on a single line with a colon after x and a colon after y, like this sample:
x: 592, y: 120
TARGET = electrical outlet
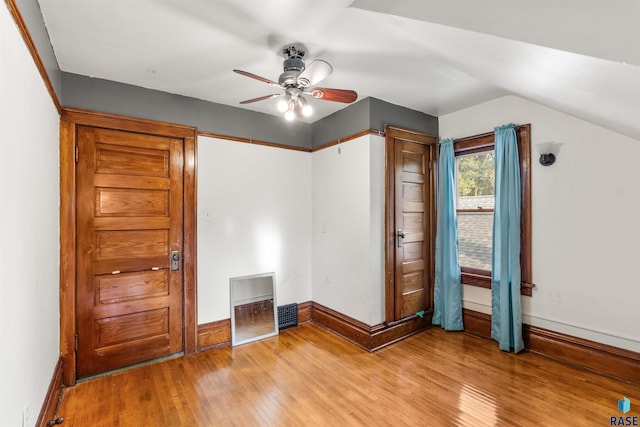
x: 25, y: 416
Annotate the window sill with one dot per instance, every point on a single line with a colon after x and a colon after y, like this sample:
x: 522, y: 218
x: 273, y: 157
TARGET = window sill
x: 482, y: 279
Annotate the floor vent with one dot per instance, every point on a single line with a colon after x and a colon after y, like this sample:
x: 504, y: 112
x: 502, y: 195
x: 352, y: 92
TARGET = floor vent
x: 287, y: 316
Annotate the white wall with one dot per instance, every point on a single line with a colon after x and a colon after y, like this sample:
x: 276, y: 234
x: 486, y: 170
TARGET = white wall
x: 263, y: 209
x: 254, y: 210
x: 348, y: 228
x: 29, y: 224
x: 585, y: 222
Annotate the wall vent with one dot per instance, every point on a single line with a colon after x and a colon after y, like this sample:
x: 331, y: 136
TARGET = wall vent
x: 287, y: 316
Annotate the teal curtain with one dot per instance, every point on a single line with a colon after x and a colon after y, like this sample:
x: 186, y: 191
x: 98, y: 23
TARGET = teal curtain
x: 447, y: 295
x: 506, y: 311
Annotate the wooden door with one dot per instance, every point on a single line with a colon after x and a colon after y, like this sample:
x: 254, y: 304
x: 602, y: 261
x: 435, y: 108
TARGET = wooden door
x: 129, y: 220
x: 410, y: 224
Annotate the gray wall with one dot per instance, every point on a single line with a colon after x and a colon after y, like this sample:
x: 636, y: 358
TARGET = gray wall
x: 119, y: 98
x: 370, y: 113
x: 350, y: 120
x: 32, y: 16
x: 384, y: 113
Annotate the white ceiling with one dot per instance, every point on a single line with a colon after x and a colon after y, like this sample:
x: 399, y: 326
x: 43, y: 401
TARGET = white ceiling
x: 435, y: 56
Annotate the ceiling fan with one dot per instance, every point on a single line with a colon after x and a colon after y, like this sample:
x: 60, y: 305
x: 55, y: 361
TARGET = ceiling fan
x: 296, y: 81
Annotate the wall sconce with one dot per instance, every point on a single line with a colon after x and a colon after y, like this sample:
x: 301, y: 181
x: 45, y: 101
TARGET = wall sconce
x: 548, y: 151
x: 547, y: 159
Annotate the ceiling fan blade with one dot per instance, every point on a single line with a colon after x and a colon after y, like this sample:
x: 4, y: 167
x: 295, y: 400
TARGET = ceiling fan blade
x: 336, y: 95
x: 262, y: 98
x: 315, y: 72
x: 253, y: 76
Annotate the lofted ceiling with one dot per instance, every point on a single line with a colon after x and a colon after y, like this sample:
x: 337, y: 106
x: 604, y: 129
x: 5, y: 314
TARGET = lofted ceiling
x: 581, y: 57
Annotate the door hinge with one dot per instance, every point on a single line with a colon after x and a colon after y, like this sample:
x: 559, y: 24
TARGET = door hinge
x: 76, y: 154
x: 75, y: 342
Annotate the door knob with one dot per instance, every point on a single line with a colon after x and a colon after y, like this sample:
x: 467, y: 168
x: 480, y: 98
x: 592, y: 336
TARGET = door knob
x: 175, y: 260
x: 399, y: 237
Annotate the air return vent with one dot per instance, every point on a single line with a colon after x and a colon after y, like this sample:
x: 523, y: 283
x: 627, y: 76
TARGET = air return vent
x: 287, y: 316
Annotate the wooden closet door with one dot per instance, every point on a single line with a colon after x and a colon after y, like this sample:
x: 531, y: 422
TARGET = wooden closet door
x: 129, y: 301
x: 413, y: 279
x: 410, y: 224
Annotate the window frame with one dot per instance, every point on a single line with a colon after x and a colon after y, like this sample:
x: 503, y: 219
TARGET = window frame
x: 485, y: 142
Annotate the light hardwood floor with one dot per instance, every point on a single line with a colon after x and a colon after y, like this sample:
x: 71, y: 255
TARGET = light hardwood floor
x: 308, y: 376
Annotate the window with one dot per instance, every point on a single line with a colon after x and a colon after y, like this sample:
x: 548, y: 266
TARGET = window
x: 475, y: 181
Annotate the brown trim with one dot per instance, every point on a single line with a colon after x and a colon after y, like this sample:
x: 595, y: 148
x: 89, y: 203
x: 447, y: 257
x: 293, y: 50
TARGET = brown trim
x: 475, y: 141
x: 477, y: 323
x: 189, y: 242
x: 52, y: 399
x: 26, y: 36
x: 304, y: 312
x: 590, y: 355
x: 370, y: 338
x: 214, y: 334
x: 347, y: 327
x: 600, y: 358
x: 348, y: 138
x: 69, y: 120
x: 477, y: 210
x: 524, y: 149
x: 290, y: 147
x: 389, y: 228
x: 131, y: 124
x: 481, y: 280
x: 408, y: 135
x: 253, y: 141
x: 466, y: 148
x: 67, y: 250
x: 383, y: 335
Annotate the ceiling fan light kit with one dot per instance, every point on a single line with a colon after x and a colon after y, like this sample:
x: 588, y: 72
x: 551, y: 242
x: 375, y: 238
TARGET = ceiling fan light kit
x: 295, y: 82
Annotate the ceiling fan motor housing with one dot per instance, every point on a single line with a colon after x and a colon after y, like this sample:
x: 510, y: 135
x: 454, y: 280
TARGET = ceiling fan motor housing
x: 293, y: 65
x: 288, y: 78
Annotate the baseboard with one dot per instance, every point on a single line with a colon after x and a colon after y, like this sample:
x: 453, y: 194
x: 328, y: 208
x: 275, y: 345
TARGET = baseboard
x: 601, y: 358
x: 52, y: 398
x: 304, y: 312
x: 347, y: 327
x: 214, y: 334
x: 371, y: 338
x: 368, y: 337
x: 477, y: 323
x: 387, y: 334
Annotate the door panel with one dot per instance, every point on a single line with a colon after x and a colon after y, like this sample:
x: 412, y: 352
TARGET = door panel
x: 131, y: 202
x: 411, y: 223
x: 131, y: 243
x: 129, y: 220
x: 131, y: 286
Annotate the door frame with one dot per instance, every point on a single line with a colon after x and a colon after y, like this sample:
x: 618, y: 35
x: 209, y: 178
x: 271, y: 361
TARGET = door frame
x: 70, y: 119
x: 391, y: 134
